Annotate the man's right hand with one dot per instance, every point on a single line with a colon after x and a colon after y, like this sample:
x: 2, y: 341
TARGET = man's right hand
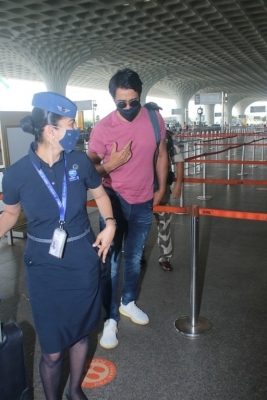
x: 118, y: 158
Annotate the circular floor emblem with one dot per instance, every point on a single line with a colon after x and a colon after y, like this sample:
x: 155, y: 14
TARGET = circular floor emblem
x: 99, y: 372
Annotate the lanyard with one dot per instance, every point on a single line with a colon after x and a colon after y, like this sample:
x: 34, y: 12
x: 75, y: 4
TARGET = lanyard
x: 61, y: 204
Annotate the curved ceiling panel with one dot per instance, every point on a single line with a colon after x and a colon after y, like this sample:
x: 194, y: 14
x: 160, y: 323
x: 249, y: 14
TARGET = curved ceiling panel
x: 189, y: 44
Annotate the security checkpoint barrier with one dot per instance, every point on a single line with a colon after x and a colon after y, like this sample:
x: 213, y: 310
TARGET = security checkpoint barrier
x: 195, y: 144
x: 201, y: 158
x: 194, y: 325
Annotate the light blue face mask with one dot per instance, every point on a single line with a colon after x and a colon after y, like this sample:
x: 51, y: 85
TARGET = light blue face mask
x: 69, y: 140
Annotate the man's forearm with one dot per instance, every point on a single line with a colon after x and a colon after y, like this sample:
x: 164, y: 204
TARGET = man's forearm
x: 104, y: 169
x: 162, y: 171
x: 180, y: 173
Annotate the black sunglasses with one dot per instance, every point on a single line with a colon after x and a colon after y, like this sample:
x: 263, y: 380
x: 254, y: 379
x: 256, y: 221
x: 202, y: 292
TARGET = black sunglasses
x: 123, y: 103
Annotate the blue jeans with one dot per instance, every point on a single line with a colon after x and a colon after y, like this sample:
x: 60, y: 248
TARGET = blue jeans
x: 133, y: 225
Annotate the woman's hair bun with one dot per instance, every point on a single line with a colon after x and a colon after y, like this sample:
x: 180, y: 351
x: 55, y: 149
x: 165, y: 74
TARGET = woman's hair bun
x: 27, y: 124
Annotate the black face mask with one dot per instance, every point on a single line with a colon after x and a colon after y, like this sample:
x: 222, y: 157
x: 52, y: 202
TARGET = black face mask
x: 130, y: 113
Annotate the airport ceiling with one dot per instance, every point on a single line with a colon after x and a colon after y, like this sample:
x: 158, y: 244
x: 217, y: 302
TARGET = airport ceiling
x: 177, y: 46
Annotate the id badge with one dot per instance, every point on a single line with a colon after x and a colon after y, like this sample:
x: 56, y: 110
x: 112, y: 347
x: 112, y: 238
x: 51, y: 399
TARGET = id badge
x: 58, y: 243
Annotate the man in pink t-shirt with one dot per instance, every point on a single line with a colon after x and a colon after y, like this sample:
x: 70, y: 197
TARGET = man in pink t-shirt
x: 122, y: 147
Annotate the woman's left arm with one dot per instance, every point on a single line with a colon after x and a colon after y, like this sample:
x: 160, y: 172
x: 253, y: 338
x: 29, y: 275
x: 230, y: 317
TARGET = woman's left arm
x: 105, y: 237
x: 9, y: 217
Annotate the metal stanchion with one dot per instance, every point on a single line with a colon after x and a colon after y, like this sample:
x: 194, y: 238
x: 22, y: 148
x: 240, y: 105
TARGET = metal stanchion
x: 85, y: 145
x: 204, y: 197
x: 194, y: 325
x: 236, y: 142
x: 242, y: 165
x: 229, y: 165
x: 10, y: 238
x: 198, y: 151
x: 182, y: 196
x: 253, y: 157
x: 234, y: 150
x: 262, y: 151
x: 228, y: 152
x: 194, y: 153
x: 186, y: 151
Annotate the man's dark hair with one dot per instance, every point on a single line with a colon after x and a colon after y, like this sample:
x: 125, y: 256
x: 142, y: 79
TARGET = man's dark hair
x: 125, y: 79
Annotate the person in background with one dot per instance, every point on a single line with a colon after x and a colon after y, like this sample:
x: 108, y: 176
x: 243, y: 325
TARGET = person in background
x: 164, y: 219
x: 122, y: 147
x: 62, y: 255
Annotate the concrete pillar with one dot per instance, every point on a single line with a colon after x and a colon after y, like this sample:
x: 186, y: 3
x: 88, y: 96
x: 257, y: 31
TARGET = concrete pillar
x: 181, y: 103
x: 228, y: 110
x: 149, y: 79
x: 209, y: 113
x: 55, y: 81
x: 243, y: 104
x: 55, y: 62
x: 240, y: 108
x: 145, y: 91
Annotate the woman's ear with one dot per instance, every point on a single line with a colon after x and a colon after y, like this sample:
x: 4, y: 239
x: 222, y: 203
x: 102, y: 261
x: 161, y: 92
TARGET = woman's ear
x: 49, y: 131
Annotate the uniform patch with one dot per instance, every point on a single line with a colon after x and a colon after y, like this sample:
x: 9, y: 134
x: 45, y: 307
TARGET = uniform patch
x: 73, y: 175
x: 63, y: 109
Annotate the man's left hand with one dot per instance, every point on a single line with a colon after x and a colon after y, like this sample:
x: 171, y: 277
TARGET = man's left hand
x: 176, y: 191
x: 158, y: 195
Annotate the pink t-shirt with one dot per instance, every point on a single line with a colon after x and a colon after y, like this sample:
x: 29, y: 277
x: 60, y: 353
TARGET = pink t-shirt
x: 133, y: 180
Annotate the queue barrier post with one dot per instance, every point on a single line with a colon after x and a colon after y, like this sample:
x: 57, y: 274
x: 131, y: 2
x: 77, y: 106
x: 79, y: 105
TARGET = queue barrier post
x: 262, y: 150
x: 182, y: 196
x: 228, y: 141
x: 194, y: 154
x: 198, y: 151
x: 204, y: 196
x: 193, y: 325
x: 233, y: 141
x: 229, y: 165
x: 186, y: 151
x: 253, y: 157
x: 242, y: 173
x: 10, y: 238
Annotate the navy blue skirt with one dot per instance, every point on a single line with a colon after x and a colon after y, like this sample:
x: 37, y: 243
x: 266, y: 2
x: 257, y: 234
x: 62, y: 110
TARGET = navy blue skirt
x: 64, y: 292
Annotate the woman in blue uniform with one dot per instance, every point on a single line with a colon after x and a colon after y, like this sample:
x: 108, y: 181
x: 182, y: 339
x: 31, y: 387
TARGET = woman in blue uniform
x: 62, y: 255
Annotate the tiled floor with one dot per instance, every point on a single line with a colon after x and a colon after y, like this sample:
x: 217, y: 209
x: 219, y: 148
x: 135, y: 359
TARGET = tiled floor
x: 155, y: 362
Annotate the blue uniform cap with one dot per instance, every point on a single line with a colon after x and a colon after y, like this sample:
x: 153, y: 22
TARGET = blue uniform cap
x: 56, y: 103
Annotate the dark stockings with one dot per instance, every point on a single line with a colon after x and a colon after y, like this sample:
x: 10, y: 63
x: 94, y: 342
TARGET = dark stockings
x: 50, y: 371
x: 51, y: 367
x: 78, y: 355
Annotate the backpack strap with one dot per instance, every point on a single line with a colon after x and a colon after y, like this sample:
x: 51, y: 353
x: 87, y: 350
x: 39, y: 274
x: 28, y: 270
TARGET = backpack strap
x: 155, y: 123
x: 156, y: 127
x: 170, y: 144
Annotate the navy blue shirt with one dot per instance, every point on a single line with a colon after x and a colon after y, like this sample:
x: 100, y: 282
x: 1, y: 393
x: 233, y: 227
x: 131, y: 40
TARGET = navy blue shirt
x: 22, y: 183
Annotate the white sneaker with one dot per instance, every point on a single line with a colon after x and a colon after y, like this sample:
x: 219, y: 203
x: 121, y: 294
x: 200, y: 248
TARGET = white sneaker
x: 132, y: 311
x: 109, y: 339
